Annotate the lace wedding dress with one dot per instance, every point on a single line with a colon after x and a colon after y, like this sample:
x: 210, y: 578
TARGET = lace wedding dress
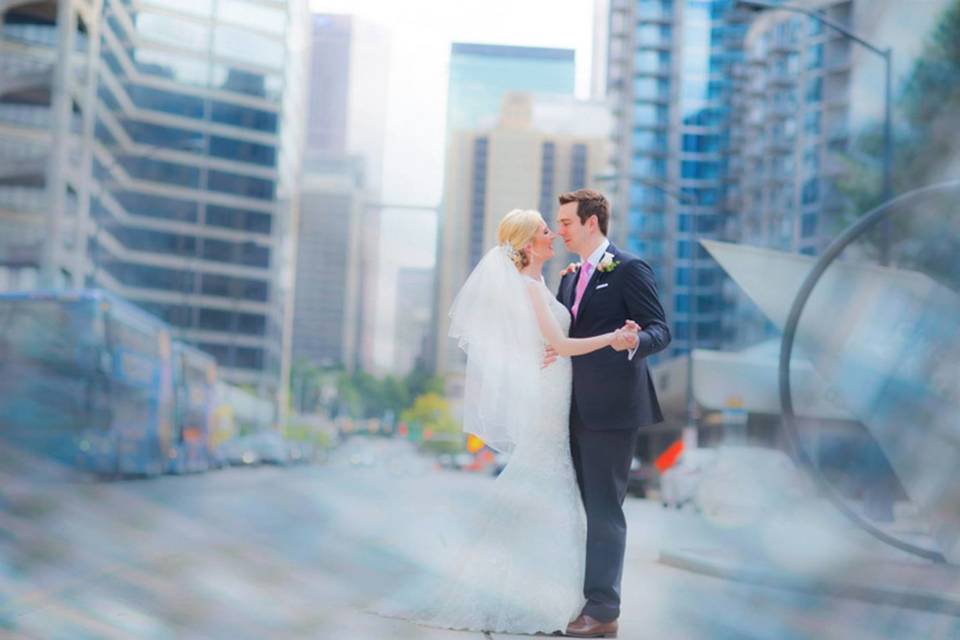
x: 522, y: 566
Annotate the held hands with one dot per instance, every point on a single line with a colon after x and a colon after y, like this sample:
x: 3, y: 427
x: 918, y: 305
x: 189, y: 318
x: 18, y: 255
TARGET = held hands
x: 626, y: 337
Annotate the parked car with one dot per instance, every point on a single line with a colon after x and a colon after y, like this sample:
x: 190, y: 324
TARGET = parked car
x: 240, y: 451
x: 678, y: 484
x: 271, y: 448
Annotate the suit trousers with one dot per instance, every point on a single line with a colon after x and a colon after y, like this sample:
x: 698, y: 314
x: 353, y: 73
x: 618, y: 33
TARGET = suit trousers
x: 602, y: 462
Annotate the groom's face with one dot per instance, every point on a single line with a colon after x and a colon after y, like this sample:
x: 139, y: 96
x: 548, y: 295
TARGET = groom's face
x: 575, y: 234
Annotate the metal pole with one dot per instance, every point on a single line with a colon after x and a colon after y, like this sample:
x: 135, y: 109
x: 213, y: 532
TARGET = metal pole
x: 887, y: 154
x: 690, y: 429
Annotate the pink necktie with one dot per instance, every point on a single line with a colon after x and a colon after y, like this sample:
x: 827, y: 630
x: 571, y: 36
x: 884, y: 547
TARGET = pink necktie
x: 582, y: 281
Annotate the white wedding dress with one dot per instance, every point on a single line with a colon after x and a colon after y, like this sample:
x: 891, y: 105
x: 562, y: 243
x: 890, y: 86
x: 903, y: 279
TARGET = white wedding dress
x: 522, y: 565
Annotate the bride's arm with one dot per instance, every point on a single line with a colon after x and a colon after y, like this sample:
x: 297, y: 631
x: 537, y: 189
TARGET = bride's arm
x: 551, y: 331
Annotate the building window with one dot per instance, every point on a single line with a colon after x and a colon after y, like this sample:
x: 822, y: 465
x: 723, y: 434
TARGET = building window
x: 547, y: 169
x: 648, y: 61
x: 240, y: 185
x: 230, y: 218
x: 243, y: 151
x: 699, y: 170
x: 808, y: 225
x: 478, y: 201
x: 578, y: 166
x: 811, y: 160
x: 811, y: 191
x: 815, y: 57
x: 814, y: 90
x: 811, y: 123
x: 649, y: 167
x: 649, y: 115
x: 246, y: 117
x: 646, y: 140
x: 706, y: 304
x: 646, y: 197
x: 646, y: 88
x: 701, y: 143
x: 153, y: 206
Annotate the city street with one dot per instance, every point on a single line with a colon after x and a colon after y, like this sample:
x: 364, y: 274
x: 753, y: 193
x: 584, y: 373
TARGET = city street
x: 302, y: 552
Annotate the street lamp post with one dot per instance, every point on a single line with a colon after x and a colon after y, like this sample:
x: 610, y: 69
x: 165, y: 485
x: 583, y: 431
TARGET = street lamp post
x: 685, y: 199
x: 887, y: 56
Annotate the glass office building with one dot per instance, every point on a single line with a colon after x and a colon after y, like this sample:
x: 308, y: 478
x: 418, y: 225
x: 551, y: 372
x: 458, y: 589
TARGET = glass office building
x: 482, y: 74
x: 176, y: 132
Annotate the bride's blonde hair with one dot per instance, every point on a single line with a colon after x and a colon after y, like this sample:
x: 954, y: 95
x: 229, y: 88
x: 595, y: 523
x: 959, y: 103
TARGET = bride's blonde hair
x: 516, y: 229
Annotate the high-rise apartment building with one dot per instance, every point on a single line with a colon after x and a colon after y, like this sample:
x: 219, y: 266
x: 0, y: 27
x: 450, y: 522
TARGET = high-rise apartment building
x: 669, y: 80
x: 801, y: 96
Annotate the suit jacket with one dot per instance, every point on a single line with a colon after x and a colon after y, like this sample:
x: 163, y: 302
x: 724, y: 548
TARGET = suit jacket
x: 609, y: 390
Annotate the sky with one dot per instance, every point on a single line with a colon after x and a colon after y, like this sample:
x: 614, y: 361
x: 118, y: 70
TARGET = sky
x: 421, y: 32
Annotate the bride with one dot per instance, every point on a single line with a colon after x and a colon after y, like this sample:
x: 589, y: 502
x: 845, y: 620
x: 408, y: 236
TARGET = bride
x: 525, y: 571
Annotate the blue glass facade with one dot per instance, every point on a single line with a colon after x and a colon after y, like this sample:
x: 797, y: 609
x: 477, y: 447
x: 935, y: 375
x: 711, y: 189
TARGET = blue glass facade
x: 480, y: 76
x: 675, y: 128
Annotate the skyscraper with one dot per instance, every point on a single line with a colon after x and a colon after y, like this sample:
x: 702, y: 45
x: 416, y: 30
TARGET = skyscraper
x: 165, y: 147
x: 412, y: 317
x: 668, y: 77
x: 342, y: 181
x: 539, y: 148
x: 481, y: 75
x: 328, y: 303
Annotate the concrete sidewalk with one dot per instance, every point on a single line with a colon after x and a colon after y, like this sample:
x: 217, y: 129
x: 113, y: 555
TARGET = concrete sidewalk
x: 811, y: 548
x: 301, y: 552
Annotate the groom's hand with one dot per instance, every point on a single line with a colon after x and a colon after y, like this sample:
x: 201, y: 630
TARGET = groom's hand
x: 549, y: 357
x: 622, y: 340
x: 626, y: 338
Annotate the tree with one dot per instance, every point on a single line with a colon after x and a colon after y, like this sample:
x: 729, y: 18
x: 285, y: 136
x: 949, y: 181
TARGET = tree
x: 926, y: 147
x: 430, y: 415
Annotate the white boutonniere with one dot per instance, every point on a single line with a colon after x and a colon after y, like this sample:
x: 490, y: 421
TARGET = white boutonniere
x: 573, y: 266
x: 607, y: 263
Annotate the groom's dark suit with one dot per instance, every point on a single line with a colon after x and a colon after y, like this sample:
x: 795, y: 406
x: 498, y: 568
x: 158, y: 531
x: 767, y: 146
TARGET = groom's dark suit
x: 612, y: 398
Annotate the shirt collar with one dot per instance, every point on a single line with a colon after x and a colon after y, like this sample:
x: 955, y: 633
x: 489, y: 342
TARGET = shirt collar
x: 595, y: 257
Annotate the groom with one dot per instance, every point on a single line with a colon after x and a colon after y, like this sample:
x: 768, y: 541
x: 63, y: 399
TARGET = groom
x: 613, y: 395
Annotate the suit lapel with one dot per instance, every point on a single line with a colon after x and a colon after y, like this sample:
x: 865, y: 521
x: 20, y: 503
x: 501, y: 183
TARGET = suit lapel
x: 596, y: 278
x: 569, y: 289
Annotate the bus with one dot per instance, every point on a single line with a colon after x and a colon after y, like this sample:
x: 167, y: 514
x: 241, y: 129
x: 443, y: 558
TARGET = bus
x: 87, y: 379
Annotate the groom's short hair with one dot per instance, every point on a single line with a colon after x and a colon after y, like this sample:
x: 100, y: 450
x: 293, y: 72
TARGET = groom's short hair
x: 589, y: 203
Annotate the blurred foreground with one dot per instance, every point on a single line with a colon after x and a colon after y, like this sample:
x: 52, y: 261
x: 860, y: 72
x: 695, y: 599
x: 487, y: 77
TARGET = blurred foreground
x: 298, y: 552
